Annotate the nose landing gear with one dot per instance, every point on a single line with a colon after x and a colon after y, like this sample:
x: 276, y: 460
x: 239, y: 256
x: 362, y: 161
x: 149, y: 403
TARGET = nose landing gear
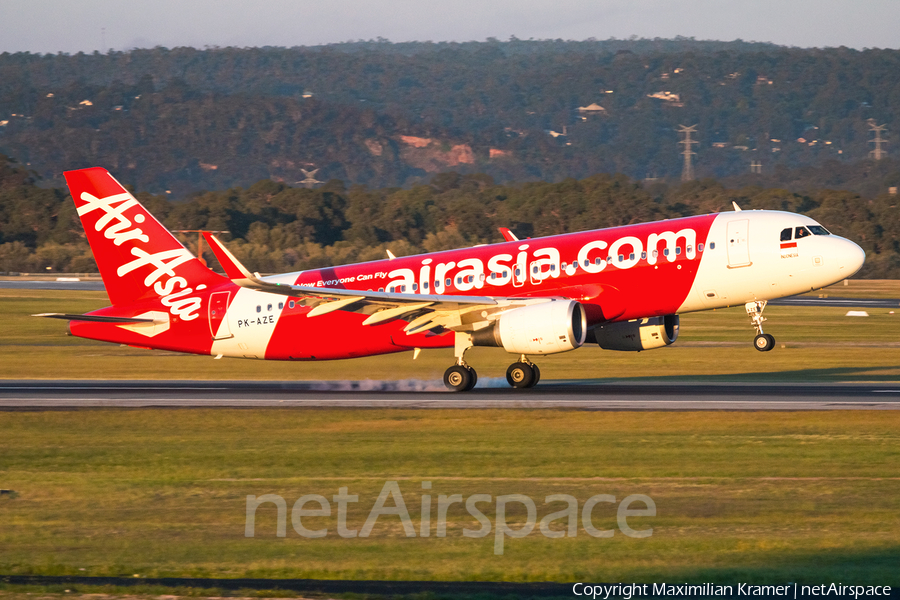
x: 763, y: 341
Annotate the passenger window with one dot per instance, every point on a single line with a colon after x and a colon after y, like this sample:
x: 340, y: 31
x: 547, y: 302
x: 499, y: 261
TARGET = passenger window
x: 415, y: 287
x: 449, y: 282
x: 631, y: 256
x: 598, y: 260
x: 689, y: 249
x: 621, y: 258
x: 587, y: 263
x: 552, y: 267
x: 258, y: 308
x: 380, y: 289
x: 655, y: 253
x: 269, y: 308
x: 518, y: 272
x: 665, y: 252
x: 424, y: 285
x: 786, y: 235
x: 291, y: 304
x: 644, y: 255
x: 280, y: 305
x: 699, y: 247
x: 677, y: 250
x: 712, y: 245
x: 801, y: 232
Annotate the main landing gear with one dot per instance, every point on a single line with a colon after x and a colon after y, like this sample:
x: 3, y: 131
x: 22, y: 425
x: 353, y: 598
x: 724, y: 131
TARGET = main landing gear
x: 763, y: 341
x: 462, y: 378
x: 523, y: 374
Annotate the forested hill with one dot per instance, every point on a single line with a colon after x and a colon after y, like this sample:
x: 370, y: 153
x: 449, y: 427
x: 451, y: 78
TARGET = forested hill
x: 383, y: 114
x: 276, y: 228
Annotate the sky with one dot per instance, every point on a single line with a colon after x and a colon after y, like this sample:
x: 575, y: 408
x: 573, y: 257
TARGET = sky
x: 51, y: 26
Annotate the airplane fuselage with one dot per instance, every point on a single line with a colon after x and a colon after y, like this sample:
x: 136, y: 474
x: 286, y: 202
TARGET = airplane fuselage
x: 617, y: 274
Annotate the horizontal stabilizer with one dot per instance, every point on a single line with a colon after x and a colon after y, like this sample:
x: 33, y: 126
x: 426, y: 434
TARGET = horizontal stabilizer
x: 94, y: 318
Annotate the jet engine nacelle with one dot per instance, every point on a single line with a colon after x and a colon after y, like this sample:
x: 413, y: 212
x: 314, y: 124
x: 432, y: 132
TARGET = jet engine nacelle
x: 545, y: 328
x: 638, y: 334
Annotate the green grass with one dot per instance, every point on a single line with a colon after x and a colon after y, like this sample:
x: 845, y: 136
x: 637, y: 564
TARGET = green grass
x: 814, y: 344
x: 764, y: 497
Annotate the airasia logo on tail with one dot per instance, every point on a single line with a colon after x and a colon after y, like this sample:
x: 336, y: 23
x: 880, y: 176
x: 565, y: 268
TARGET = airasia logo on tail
x: 115, y: 226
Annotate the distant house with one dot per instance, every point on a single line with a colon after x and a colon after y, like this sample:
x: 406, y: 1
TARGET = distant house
x: 557, y: 134
x: 592, y: 109
x: 667, y: 96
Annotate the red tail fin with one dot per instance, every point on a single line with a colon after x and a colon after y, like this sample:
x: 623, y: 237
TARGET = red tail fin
x: 137, y: 256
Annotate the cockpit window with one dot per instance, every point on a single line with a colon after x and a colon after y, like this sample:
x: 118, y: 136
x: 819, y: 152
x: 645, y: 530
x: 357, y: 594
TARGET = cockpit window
x: 801, y: 232
x: 819, y: 230
x: 786, y: 234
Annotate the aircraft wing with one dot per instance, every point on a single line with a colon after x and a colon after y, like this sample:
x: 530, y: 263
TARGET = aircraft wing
x: 422, y: 311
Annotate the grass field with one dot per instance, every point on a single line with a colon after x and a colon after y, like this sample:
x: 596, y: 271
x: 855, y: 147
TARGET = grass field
x: 761, y: 497
x: 765, y: 497
x: 814, y: 344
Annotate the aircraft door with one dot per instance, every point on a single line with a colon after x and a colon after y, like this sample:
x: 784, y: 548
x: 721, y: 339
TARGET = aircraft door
x: 738, y: 243
x: 519, y: 276
x: 218, y: 324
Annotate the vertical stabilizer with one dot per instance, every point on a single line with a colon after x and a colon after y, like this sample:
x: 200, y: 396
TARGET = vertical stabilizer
x: 137, y: 256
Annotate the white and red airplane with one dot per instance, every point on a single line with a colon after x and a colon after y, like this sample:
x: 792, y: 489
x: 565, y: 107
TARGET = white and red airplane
x: 621, y: 288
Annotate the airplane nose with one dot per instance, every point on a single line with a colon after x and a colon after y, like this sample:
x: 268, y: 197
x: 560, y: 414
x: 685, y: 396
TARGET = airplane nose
x: 851, y: 258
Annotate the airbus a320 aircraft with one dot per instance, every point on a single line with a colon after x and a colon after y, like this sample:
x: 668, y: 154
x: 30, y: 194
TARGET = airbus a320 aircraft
x: 620, y: 288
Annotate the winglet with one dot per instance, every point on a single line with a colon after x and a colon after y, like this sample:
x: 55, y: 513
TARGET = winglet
x: 508, y: 235
x: 233, y: 267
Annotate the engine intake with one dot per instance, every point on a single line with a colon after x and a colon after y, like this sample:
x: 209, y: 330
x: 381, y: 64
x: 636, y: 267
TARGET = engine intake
x: 545, y: 328
x: 638, y: 334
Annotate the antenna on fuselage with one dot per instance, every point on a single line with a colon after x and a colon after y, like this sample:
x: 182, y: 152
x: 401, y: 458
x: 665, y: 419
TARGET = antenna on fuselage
x: 736, y: 207
x: 390, y: 255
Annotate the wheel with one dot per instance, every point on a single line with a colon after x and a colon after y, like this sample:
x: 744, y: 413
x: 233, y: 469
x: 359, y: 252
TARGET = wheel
x: 473, y: 379
x: 764, y: 342
x: 520, y: 375
x: 459, y: 379
x: 537, y: 375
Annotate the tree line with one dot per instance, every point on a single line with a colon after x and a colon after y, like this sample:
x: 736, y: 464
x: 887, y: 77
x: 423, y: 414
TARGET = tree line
x: 274, y: 227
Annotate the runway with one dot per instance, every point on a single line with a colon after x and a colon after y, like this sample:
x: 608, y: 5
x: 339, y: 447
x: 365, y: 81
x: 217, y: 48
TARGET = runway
x: 415, y: 394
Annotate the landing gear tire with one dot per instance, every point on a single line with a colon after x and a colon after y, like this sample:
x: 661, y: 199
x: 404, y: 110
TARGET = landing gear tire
x: 459, y: 378
x: 473, y: 379
x: 521, y: 375
x: 764, y: 342
x: 537, y: 375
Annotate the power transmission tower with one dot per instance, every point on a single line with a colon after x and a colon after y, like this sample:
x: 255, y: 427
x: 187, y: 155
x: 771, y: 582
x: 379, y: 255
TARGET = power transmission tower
x: 687, y: 173
x: 877, y: 153
x: 310, y: 180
